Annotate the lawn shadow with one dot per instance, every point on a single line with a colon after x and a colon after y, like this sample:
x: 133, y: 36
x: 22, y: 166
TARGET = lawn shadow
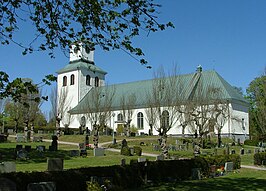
x: 217, y: 184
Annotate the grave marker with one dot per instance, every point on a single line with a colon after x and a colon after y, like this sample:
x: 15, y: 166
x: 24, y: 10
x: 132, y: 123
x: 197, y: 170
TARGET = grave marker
x: 229, y: 166
x: 55, y: 164
x: 98, y: 152
x: 41, y: 186
x: 7, y: 185
x: 6, y: 167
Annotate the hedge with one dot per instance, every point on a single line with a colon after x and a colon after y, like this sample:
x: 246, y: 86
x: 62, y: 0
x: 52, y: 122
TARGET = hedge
x: 259, y: 157
x: 121, y: 177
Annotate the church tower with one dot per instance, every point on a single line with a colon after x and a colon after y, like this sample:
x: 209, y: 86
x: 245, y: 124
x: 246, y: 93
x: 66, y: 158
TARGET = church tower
x: 76, y: 79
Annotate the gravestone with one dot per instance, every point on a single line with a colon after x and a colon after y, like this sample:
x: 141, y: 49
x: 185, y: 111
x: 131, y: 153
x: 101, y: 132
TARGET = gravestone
x: 131, y: 149
x: 7, y: 185
x: 156, y: 147
x: 20, y: 138
x: 233, y: 152
x: 19, y: 147
x: 10, y: 131
x: 98, y: 152
x: 82, y: 146
x: 242, y: 151
x: 142, y: 159
x: 229, y: 166
x: 22, y: 154
x: 256, y: 150
x: 6, y: 167
x: 54, y: 146
x: 196, y: 174
x: 74, y: 153
x: 40, y: 148
x: 28, y: 148
x: 55, y: 164
x: 123, y: 162
x: 83, y: 153
x: 42, y: 186
x: 159, y: 157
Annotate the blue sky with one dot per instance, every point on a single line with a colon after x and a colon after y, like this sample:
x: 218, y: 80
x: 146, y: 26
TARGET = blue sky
x: 228, y: 36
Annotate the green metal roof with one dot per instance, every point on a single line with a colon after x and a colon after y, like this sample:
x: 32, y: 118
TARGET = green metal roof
x: 190, y: 82
x: 81, y: 64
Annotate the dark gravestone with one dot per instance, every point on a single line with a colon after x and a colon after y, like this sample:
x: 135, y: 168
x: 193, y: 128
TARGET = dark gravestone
x: 55, y: 164
x: 7, y: 185
x: 242, y: 151
x: 74, y: 153
x: 83, y: 152
x: 41, y: 186
x: 28, y: 148
x: 22, y: 154
x: 19, y: 147
x: 40, y: 148
x: 196, y: 174
x: 233, y: 152
x: 54, y: 146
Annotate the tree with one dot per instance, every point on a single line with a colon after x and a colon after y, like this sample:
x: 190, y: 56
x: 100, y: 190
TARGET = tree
x: 97, y: 108
x: 105, y: 23
x: 256, y: 94
x: 127, y: 103
x: 60, y: 102
x: 164, y: 103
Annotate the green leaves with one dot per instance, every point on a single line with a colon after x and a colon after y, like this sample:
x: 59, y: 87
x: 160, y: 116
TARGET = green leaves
x: 109, y: 24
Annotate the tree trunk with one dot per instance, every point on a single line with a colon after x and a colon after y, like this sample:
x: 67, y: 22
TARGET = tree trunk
x: 164, y: 146
x: 219, y: 138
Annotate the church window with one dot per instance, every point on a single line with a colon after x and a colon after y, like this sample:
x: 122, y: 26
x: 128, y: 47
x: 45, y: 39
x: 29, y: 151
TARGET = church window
x: 72, y: 79
x: 88, y: 80
x: 120, y: 117
x: 96, y: 81
x: 140, y: 120
x: 165, y: 119
x: 64, y: 81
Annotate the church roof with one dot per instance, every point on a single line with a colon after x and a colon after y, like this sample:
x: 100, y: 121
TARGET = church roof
x: 81, y: 64
x: 190, y: 82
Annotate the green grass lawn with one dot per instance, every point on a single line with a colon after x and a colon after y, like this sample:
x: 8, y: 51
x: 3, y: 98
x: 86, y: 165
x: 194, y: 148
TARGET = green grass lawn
x: 38, y: 161
x: 244, y: 180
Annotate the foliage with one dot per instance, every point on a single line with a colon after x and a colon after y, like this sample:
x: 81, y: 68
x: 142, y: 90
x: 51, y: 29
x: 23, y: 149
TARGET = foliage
x: 256, y: 95
x: 259, y: 157
x: 125, y: 151
x: 137, y: 150
x: 109, y: 24
x: 251, y: 142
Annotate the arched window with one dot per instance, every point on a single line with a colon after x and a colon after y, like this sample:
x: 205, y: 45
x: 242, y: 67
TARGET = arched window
x: 72, y: 79
x: 96, y: 81
x: 64, y: 81
x: 120, y: 117
x: 140, y: 120
x: 88, y: 80
x: 165, y: 119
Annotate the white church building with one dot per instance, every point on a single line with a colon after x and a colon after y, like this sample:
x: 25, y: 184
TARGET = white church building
x: 81, y: 76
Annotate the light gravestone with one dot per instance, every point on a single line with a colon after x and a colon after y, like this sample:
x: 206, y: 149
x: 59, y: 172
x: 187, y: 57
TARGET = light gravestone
x: 229, y: 166
x: 141, y: 159
x: 20, y: 138
x: 98, y: 152
x: 6, y: 167
x: 159, y: 157
x: 7, y: 185
x: 42, y: 186
x: 55, y: 164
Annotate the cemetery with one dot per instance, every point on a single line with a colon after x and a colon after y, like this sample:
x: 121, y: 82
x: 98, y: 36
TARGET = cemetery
x: 32, y: 165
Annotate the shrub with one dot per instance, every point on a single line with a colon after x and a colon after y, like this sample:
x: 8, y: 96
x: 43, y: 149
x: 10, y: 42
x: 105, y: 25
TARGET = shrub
x: 251, y: 142
x: 258, y: 158
x: 137, y: 150
x: 125, y: 151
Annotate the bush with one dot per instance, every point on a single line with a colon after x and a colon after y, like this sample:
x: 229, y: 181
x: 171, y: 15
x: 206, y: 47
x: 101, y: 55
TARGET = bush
x: 258, y: 158
x: 220, y: 160
x: 137, y: 150
x: 125, y: 151
x: 251, y: 142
